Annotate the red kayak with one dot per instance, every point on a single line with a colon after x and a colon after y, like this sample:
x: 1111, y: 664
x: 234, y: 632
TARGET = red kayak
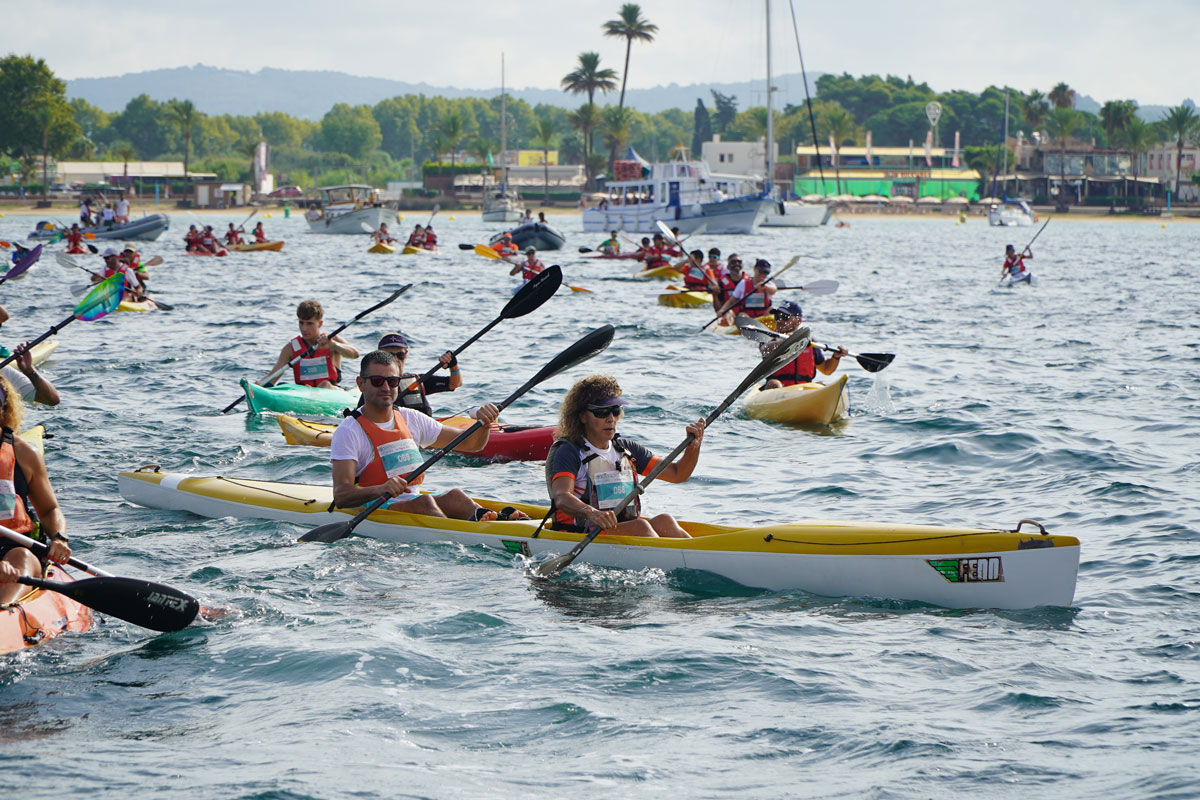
x: 76, y: 251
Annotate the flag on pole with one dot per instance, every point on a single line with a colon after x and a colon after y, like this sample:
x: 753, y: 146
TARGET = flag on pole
x: 868, y: 148
x: 833, y: 149
x: 954, y: 163
x: 929, y: 147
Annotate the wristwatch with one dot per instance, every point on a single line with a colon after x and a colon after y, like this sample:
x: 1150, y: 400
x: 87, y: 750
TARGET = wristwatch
x: 57, y: 537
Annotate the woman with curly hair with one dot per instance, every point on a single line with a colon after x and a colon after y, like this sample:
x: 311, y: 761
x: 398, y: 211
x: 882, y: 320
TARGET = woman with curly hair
x: 27, y: 502
x: 590, y: 469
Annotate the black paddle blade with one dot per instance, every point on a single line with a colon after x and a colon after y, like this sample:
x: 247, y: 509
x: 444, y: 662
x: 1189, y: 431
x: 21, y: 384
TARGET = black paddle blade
x: 533, y: 294
x: 750, y: 329
x: 591, y: 344
x: 784, y: 352
x: 873, y: 362
x: 332, y: 532
x: 462, y: 246
x: 145, y: 603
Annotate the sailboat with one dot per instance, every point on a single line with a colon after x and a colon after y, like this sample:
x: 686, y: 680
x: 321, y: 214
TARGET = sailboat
x: 1012, y: 212
x: 785, y: 213
x: 501, y: 203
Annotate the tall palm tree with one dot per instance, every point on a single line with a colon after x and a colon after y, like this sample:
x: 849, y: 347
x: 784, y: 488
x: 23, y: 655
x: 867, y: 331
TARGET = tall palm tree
x: 1180, y: 124
x: 544, y: 134
x: 629, y: 25
x: 1137, y: 138
x: 451, y: 129
x: 1061, y: 123
x: 184, y: 113
x: 1062, y: 96
x: 588, y: 78
x: 1036, y: 110
x: 1115, y: 115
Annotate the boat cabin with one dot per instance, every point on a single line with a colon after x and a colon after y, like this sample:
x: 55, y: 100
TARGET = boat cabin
x: 354, y: 195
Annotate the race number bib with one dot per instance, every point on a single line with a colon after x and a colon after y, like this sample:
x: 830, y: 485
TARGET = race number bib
x: 314, y: 369
x: 400, y: 457
x: 612, y: 487
x: 8, y: 500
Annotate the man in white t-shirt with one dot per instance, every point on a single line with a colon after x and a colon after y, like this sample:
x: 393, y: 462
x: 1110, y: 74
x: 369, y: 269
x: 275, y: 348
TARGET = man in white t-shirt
x: 122, y: 210
x: 370, y: 457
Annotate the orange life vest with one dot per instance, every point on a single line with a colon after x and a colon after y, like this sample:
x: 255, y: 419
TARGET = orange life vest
x: 396, y: 452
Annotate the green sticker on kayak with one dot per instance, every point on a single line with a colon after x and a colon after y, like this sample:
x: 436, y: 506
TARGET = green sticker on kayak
x: 987, y: 569
x: 516, y: 547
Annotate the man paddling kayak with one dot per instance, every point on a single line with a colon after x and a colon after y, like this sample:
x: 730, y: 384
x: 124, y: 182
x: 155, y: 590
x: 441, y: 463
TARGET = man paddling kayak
x: 27, y: 502
x: 323, y: 368
x: 377, y: 446
x: 610, y: 246
x: 528, y: 268
x: 590, y: 468
x: 803, y: 368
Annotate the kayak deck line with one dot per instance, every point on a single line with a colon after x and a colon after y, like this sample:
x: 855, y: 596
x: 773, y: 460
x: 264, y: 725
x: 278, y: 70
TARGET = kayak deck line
x: 945, y: 566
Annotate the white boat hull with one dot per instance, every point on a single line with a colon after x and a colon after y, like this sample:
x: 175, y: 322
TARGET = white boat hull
x: 834, y: 559
x: 349, y: 222
x: 739, y: 220
x: 504, y: 215
x: 1010, y: 218
x: 797, y: 215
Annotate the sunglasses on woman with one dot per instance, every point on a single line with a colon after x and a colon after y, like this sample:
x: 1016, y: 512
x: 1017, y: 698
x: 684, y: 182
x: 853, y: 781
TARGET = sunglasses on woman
x: 606, y: 411
x: 379, y: 380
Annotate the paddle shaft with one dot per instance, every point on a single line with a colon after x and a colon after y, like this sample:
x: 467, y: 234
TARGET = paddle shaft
x: 42, y: 549
x: 53, y: 330
x: 274, y: 376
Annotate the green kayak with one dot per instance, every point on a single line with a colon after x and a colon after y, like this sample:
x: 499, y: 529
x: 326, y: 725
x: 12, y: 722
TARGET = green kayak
x: 297, y: 399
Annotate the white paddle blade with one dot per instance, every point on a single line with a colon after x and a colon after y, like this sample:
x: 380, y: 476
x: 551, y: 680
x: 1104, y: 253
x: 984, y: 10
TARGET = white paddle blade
x: 821, y: 287
x: 68, y: 261
x: 367, y: 228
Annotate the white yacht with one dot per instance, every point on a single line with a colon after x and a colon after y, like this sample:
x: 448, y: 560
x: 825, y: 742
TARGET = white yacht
x: 1012, y: 213
x: 346, y: 209
x: 682, y: 193
x: 797, y: 214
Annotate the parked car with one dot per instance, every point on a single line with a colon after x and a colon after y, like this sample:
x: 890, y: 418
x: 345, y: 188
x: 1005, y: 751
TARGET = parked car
x: 287, y: 191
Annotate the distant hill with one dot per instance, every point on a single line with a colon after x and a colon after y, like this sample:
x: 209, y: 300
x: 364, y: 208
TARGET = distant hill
x: 309, y: 94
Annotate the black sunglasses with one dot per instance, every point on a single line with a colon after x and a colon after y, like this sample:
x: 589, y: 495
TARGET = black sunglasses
x: 605, y: 411
x: 379, y: 380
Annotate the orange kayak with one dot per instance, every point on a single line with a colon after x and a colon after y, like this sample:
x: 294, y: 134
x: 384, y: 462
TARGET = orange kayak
x: 40, y: 614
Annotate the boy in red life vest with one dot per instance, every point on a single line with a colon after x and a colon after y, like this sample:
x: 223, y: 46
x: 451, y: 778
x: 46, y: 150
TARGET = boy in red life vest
x: 321, y: 368
x: 714, y: 264
x: 232, y: 236
x: 528, y: 268
x: 696, y: 277
x: 75, y: 240
x: 259, y: 234
x: 643, y: 251
x: 375, y: 448
x: 430, y: 238
x: 803, y: 368
x: 1014, y: 263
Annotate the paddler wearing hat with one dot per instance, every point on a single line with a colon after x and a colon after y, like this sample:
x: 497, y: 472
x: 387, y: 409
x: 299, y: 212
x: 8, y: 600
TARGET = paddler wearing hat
x: 113, y: 265
x: 410, y: 393
x: 803, y: 368
x: 590, y: 468
x: 528, y: 268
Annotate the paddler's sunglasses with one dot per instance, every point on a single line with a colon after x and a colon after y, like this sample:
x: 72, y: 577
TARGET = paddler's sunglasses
x: 606, y: 411
x: 379, y: 380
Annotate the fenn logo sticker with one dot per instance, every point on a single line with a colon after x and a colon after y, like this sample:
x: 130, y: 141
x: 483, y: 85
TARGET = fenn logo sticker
x: 970, y: 570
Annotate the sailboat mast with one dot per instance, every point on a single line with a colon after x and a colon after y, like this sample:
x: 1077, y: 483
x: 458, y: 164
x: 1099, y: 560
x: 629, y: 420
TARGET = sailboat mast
x: 1004, y: 144
x: 769, y: 182
x: 503, y: 126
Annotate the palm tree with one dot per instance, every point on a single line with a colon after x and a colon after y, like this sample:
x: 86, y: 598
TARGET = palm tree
x: 1137, y: 138
x: 184, y: 113
x: 1061, y: 123
x: 451, y: 130
x: 585, y: 120
x: 1062, y: 96
x: 125, y: 151
x: 629, y: 26
x: 1115, y: 114
x: 1036, y: 109
x: 1180, y: 124
x: 588, y: 78
x: 543, y: 136
x: 616, y: 128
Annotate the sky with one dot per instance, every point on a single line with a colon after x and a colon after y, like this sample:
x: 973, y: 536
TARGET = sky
x: 1108, y: 49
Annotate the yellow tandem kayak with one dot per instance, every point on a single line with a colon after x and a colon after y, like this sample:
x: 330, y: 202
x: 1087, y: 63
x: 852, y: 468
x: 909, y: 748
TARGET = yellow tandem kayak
x: 803, y: 403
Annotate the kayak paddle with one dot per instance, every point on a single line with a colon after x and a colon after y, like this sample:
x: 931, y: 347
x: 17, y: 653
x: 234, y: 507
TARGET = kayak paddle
x: 788, y: 349
x: 871, y: 362
x: 24, y: 265
x: 590, y: 345
x: 824, y: 286
x: 274, y: 376
x: 100, y: 301
x: 730, y: 303
x: 528, y: 298
x: 151, y: 605
x: 488, y: 252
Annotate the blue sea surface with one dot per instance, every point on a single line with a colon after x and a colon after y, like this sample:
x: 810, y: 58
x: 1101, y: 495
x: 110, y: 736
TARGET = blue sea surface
x: 368, y: 669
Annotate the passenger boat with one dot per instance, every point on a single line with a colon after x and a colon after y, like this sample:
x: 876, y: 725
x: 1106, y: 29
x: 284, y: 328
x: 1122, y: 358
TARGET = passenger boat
x: 505, y: 442
x: 1016, y: 568
x: 252, y: 247
x: 800, y: 404
x: 40, y: 614
x: 682, y: 193
x: 347, y: 209
x: 146, y: 229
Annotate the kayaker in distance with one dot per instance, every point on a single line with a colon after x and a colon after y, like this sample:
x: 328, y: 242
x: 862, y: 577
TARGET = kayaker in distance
x: 374, y: 448
x: 25, y: 486
x: 656, y: 253
x: 697, y: 277
x: 323, y: 368
x: 714, y: 265
x: 430, y: 238
x: 417, y: 237
x: 233, y: 236
x: 610, y: 246
x: 528, y: 218
x: 135, y: 287
x: 753, y: 294
x: 530, y: 267
x: 506, y: 246
x: 381, y: 236
x: 75, y: 240
x: 1014, y: 263
x: 590, y: 469
x: 803, y: 368
x: 208, y: 241
x: 259, y: 234
x: 191, y: 239
x: 413, y: 396
x: 133, y: 260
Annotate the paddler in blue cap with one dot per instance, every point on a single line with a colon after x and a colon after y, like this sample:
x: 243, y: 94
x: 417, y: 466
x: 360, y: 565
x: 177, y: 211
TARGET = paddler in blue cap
x: 803, y: 368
